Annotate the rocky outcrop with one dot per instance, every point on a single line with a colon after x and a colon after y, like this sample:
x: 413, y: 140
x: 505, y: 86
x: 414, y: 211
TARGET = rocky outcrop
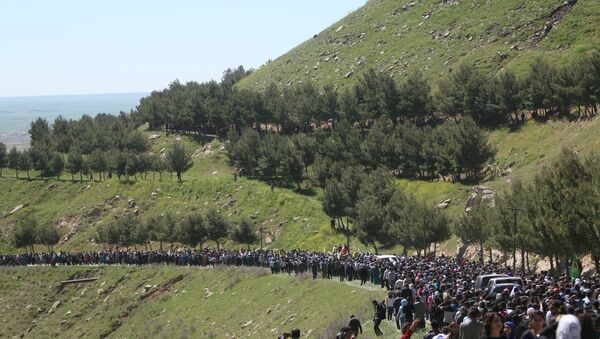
x: 483, y: 193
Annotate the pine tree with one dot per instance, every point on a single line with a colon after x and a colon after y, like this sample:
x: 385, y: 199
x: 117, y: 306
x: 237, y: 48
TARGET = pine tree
x: 179, y: 159
x: 475, y: 227
x: 46, y: 234
x: 244, y: 233
x: 12, y: 159
x: 217, y: 228
x: 415, y: 101
x: 3, y: 157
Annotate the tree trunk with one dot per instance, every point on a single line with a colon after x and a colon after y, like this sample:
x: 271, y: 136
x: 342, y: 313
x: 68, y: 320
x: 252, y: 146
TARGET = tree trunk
x: 17, y: 171
x: 375, y: 247
x: 514, y: 265
x: 596, y: 262
x: 28, y: 178
x: 527, y: 262
x: 481, y: 253
x: 522, y: 262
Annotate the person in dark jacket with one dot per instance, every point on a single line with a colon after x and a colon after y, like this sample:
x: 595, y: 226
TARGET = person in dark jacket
x: 355, y: 325
x: 379, y: 315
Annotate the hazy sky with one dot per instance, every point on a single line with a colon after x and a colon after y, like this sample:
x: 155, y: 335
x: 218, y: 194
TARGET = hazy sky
x: 108, y: 46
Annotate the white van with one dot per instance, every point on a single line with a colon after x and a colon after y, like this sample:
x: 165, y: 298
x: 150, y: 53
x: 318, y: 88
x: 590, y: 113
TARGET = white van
x: 388, y: 259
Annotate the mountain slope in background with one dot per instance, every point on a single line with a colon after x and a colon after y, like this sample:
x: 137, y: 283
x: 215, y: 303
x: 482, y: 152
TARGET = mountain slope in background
x: 435, y: 36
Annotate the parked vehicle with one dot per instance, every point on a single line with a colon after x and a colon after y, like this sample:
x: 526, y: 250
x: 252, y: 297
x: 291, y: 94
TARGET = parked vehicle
x: 482, y: 280
x: 504, y: 280
x: 498, y: 288
x: 387, y: 258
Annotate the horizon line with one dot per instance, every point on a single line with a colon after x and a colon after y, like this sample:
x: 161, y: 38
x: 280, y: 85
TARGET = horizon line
x: 69, y: 95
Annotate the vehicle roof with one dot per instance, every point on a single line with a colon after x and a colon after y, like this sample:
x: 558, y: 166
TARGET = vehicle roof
x: 505, y: 285
x: 493, y: 275
x: 507, y: 277
x: 383, y: 256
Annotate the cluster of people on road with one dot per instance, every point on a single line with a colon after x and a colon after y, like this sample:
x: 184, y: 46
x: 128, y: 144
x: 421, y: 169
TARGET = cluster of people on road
x: 440, y: 291
x: 444, y: 291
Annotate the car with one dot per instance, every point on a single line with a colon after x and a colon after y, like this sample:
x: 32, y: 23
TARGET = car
x: 498, y: 288
x: 504, y: 280
x: 482, y: 280
x: 387, y: 258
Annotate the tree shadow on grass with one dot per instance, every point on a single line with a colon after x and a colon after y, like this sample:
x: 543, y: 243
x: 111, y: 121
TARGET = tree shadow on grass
x: 307, y: 191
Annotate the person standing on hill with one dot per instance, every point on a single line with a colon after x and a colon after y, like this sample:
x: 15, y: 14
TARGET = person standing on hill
x: 378, y: 316
x: 355, y: 325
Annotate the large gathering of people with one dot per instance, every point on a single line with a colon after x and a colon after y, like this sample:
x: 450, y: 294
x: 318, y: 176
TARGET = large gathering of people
x: 439, y: 293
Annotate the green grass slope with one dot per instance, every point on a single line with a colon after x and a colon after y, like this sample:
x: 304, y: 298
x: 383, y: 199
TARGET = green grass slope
x: 435, y: 36
x: 289, y: 219
x: 176, y: 302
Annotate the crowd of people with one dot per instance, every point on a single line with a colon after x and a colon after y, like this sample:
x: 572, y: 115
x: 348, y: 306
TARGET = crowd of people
x: 440, y: 291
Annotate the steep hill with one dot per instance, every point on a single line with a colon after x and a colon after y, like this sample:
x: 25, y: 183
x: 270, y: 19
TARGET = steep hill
x: 435, y: 36
x: 176, y: 302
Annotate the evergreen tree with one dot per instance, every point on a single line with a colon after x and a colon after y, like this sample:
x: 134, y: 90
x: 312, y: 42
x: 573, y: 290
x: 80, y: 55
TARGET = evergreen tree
x: 61, y: 135
x: 507, y: 93
x: 397, y: 222
x: 348, y: 102
x: 217, y: 228
x: 164, y: 229
x: 335, y: 200
x: 46, y: 234
x: 39, y: 135
x: 179, y: 159
x: 136, y: 142
x: 3, y: 157
x: 378, y: 148
x: 26, y: 162
x: 377, y: 95
x: 24, y: 233
x: 244, y: 233
x: 537, y: 89
x: 159, y: 165
x: 12, y: 160
x: 473, y: 149
x: 463, y: 93
x: 475, y: 227
x: 75, y: 164
x: 120, y: 164
x: 415, y: 101
x: 56, y: 164
x: 39, y: 158
x: 373, y: 196
x: 141, y: 233
x: 191, y: 231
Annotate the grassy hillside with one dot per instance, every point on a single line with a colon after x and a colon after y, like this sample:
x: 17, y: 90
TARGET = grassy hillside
x: 435, y: 36
x: 289, y: 219
x: 176, y: 302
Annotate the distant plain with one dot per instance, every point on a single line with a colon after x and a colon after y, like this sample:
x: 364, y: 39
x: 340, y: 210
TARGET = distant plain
x: 17, y: 113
